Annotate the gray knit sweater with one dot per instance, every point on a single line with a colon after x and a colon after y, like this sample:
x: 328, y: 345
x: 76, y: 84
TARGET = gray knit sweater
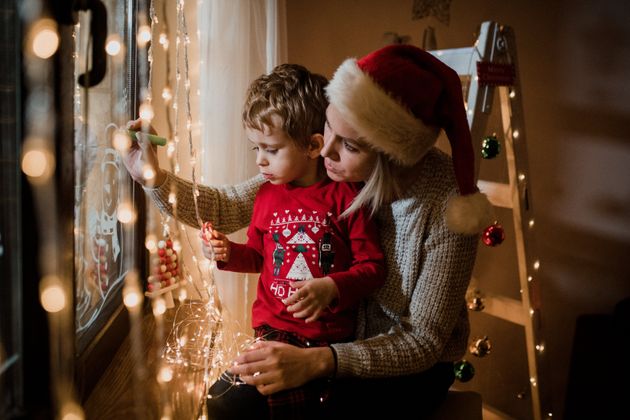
x: 419, y: 317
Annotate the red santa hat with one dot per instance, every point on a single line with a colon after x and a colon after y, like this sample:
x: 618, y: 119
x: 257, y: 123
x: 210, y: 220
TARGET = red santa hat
x: 398, y: 99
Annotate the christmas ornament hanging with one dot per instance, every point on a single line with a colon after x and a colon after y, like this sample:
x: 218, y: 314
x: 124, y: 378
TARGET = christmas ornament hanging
x: 480, y: 346
x: 493, y: 235
x: 464, y: 370
x: 490, y: 147
x: 476, y: 304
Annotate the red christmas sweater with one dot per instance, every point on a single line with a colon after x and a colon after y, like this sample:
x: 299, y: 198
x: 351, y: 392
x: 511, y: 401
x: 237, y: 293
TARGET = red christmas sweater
x: 296, y: 234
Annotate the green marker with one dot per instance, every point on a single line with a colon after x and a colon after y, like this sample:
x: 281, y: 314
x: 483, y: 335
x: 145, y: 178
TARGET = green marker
x: 157, y: 140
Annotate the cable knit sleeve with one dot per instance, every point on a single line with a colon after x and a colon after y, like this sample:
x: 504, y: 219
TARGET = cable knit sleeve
x: 229, y: 208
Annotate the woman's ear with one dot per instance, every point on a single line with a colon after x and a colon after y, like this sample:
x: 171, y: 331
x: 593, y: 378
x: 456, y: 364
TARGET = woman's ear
x: 315, y: 145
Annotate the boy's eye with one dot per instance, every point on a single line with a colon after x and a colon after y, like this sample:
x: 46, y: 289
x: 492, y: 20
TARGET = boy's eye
x: 272, y: 151
x: 255, y: 148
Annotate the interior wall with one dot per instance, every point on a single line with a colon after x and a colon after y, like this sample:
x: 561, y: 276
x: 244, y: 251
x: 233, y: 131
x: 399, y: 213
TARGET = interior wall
x: 574, y: 60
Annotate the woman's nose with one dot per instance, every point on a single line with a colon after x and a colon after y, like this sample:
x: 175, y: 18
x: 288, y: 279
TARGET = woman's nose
x: 329, y: 150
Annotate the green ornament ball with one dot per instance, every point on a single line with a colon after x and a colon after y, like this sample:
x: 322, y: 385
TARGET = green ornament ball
x: 464, y: 370
x: 490, y: 147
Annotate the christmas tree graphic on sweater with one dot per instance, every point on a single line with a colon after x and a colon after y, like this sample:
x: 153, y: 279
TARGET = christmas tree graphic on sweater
x: 297, y: 239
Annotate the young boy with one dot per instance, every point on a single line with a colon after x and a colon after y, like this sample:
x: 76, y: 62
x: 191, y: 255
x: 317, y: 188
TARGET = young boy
x: 297, y: 239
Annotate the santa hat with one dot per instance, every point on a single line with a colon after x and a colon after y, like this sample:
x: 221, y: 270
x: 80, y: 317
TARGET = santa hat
x: 398, y: 99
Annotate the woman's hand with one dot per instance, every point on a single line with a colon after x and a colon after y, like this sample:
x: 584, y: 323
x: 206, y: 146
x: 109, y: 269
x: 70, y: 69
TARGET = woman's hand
x: 214, y: 244
x: 313, y: 296
x: 141, y: 156
x: 271, y: 366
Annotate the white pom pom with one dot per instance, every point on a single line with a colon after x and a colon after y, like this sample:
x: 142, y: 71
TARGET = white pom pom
x: 469, y: 214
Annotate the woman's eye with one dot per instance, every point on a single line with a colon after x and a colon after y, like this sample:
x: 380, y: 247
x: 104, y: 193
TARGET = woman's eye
x: 272, y: 151
x: 349, y: 146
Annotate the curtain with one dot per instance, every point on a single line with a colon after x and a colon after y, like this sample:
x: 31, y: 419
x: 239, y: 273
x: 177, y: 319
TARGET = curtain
x: 238, y: 41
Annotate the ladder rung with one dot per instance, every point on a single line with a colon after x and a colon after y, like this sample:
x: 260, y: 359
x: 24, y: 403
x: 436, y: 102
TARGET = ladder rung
x: 498, y: 193
x: 505, y: 308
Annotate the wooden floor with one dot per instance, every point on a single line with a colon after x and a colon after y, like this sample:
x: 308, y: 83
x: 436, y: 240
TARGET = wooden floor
x: 119, y: 395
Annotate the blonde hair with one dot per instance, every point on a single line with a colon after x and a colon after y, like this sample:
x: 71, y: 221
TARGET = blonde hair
x: 380, y: 188
x: 292, y: 93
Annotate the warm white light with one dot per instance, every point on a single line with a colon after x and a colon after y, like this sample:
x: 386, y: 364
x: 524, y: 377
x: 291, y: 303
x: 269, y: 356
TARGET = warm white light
x: 515, y: 134
x: 533, y: 381
x: 150, y: 243
x: 113, y: 46
x: 171, y: 198
x: 72, y: 411
x: 512, y: 93
x: 125, y: 213
x: 144, y: 35
x: 34, y: 163
x: 131, y: 297
x: 531, y: 223
x: 165, y: 374
x: 51, y: 295
x: 521, y: 177
x: 177, y: 246
x: 121, y: 141
x: 148, y: 172
x: 167, y: 95
x: 536, y: 265
x: 159, y: 307
x: 164, y: 41
x: 183, y: 294
x: 529, y: 278
x: 45, y: 39
x: 540, y: 347
x: 146, y: 112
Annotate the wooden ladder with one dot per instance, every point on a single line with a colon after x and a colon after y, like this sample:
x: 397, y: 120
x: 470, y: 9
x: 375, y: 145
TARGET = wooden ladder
x: 491, y: 64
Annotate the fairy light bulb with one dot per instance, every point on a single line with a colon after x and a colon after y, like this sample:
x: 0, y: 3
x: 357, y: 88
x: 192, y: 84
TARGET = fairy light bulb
x: 113, y: 46
x: 540, y: 347
x: 125, y: 213
x: 34, y: 163
x: 121, y: 141
x: 148, y: 173
x: 163, y: 41
x: 515, y: 134
x: 159, y: 307
x: 536, y: 265
x: 132, y: 297
x: 72, y: 411
x: 51, y: 295
x: 177, y: 246
x: 165, y: 375
x: 183, y: 295
x: 45, y: 39
x: 531, y: 223
x: 512, y: 94
x: 167, y: 95
x: 144, y: 35
x: 150, y: 243
x: 146, y: 112
x: 521, y: 177
x: 171, y: 198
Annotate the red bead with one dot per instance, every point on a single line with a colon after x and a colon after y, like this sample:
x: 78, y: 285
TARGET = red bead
x: 161, y: 252
x: 493, y: 235
x: 169, y: 243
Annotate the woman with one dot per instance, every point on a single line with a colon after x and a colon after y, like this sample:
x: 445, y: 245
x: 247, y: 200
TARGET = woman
x: 386, y: 111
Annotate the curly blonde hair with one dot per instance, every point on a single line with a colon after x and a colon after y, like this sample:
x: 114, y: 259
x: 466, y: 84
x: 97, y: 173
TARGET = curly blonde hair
x: 292, y: 93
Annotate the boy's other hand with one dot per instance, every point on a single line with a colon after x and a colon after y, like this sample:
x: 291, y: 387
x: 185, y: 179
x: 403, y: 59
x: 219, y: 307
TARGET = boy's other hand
x: 312, y: 297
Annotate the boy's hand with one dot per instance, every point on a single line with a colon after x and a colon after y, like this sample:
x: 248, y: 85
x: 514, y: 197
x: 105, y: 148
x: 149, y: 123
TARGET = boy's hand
x: 312, y: 297
x: 142, y: 156
x: 213, y: 240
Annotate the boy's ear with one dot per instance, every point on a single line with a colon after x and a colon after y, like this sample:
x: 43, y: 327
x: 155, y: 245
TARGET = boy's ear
x: 315, y: 145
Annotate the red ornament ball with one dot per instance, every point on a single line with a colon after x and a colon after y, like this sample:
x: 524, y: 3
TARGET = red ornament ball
x: 493, y: 235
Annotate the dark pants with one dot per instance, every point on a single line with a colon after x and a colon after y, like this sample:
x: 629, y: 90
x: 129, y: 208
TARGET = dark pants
x: 418, y: 395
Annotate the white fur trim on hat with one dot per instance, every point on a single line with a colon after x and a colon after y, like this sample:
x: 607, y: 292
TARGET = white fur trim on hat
x: 378, y: 118
x: 469, y: 214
